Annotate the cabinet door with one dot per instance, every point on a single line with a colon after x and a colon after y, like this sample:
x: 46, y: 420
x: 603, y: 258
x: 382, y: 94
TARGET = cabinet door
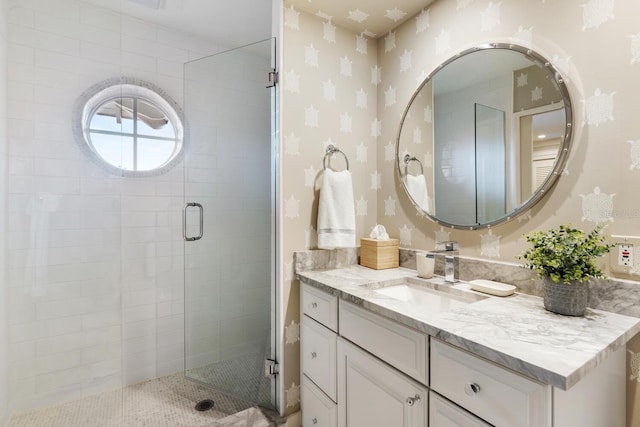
x: 443, y: 413
x: 373, y: 394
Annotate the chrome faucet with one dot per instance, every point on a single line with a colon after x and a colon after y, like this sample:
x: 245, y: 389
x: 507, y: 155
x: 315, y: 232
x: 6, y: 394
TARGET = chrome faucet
x: 450, y: 251
x: 450, y: 267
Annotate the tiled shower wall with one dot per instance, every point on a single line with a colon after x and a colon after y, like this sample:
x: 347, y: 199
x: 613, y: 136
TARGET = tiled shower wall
x: 95, y: 261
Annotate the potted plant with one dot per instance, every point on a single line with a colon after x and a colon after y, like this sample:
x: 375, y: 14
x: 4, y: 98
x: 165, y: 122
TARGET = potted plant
x: 565, y: 258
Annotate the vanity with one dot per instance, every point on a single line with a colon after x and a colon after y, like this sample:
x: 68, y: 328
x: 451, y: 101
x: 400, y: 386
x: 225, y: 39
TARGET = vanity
x: 386, y: 348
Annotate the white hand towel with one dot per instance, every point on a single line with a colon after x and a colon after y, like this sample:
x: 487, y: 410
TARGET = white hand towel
x: 417, y: 188
x: 336, y: 212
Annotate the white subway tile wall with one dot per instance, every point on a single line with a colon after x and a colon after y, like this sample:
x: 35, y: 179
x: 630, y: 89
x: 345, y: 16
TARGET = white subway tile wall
x: 94, y: 261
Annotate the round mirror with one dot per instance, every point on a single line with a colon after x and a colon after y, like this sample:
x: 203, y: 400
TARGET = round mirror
x: 129, y: 127
x: 485, y: 136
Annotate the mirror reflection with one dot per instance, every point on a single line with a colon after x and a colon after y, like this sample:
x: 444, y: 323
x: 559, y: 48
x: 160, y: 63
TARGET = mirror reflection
x: 483, y: 136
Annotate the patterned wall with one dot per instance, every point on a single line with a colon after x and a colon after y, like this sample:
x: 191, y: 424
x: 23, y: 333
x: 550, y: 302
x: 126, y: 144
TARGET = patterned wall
x: 533, y: 88
x: 329, y: 74
x: 329, y: 97
x: 601, y: 83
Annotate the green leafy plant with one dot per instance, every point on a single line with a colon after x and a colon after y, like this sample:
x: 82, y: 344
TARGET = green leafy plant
x: 565, y: 254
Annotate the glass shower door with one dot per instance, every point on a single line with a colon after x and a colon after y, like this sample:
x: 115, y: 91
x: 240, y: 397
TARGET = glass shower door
x: 229, y: 222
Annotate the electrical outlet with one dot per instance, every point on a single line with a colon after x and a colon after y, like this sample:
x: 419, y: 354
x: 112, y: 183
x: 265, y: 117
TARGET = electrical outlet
x: 625, y: 255
x: 622, y: 257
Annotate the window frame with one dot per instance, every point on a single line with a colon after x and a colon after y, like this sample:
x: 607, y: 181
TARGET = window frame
x: 109, y: 90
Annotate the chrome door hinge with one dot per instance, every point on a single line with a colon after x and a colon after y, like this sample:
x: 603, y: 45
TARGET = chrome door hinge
x: 273, y: 78
x: 271, y: 368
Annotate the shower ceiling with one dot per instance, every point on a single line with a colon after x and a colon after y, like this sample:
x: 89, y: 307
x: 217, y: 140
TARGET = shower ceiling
x: 373, y: 18
x: 229, y: 23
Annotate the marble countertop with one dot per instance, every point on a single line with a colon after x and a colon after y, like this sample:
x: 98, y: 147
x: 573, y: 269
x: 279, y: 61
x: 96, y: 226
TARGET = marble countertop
x: 515, y: 331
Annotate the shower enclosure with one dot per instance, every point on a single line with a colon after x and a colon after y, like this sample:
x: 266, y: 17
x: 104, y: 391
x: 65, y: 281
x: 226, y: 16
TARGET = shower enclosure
x: 229, y: 222
x: 108, y: 308
x: 103, y: 296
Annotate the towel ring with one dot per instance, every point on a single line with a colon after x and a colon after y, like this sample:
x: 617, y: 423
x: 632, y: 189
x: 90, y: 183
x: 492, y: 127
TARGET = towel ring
x: 331, y: 149
x: 408, y: 158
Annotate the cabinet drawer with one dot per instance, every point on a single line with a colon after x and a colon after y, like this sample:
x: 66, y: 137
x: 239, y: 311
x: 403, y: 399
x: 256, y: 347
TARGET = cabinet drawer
x: 497, y: 395
x: 402, y: 347
x: 318, y: 355
x: 320, y: 306
x: 443, y: 413
x: 317, y: 409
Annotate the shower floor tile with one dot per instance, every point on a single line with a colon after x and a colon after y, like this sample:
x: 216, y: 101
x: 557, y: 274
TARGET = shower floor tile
x: 163, y: 402
x: 241, y: 376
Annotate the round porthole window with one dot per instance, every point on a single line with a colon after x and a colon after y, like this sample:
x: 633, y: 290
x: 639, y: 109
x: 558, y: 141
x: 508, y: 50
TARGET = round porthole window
x: 130, y: 127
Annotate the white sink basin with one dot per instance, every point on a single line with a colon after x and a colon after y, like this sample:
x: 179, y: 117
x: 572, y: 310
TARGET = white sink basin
x: 427, y: 298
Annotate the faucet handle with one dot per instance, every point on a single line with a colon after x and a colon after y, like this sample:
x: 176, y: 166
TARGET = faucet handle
x: 450, y: 245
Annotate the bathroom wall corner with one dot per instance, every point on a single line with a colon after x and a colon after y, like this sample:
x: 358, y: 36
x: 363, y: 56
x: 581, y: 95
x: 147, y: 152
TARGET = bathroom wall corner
x: 3, y: 209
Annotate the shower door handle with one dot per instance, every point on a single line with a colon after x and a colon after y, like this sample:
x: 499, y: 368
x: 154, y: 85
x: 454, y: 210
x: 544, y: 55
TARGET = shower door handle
x: 184, y: 222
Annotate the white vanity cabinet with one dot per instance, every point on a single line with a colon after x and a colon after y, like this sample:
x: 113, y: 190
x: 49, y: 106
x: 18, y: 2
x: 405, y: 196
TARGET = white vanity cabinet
x: 402, y: 347
x: 320, y: 306
x: 373, y: 394
x: 382, y: 371
x: 318, y: 355
x: 362, y: 369
x: 318, y: 341
x: 507, y: 399
x: 319, y: 410
x: 498, y: 395
x: 443, y: 413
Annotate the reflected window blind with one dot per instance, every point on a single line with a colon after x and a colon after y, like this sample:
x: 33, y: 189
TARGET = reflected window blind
x: 541, y: 170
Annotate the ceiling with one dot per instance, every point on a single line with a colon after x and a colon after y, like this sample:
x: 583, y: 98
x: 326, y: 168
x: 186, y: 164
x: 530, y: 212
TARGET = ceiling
x: 371, y: 17
x: 486, y: 65
x: 233, y: 23
x: 228, y: 23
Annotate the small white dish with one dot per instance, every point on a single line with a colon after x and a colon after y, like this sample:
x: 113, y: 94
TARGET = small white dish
x: 492, y: 288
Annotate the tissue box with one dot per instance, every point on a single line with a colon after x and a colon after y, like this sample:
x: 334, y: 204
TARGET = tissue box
x: 379, y: 254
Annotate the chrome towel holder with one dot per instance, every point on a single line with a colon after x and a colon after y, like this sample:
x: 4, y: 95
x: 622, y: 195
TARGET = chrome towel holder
x: 332, y: 149
x: 408, y: 158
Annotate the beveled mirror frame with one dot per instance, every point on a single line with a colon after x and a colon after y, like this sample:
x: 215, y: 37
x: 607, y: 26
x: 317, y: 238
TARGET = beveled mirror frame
x: 561, y: 158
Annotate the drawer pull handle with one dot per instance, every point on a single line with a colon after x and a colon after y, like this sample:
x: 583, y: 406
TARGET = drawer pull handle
x: 314, y: 305
x: 314, y: 354
x: 412, y: 400
x: 471, y: 389
x: 314, y: 420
